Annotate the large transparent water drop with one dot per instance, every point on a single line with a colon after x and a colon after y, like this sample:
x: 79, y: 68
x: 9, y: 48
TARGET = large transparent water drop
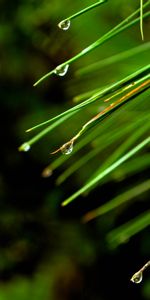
x: 61, y: 70
x: 64, y: 25
x: 67, y: 148
x: 137, y: 277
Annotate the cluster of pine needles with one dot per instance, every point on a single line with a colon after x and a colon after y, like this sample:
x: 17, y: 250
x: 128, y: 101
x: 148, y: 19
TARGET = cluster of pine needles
x: 119, y: 123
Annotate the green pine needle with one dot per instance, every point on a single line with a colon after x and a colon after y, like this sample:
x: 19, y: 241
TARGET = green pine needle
x: 106, y: 140
x: 108, y: 170
x: 141, y: 19
x: 113, y: 59
x: 97, y: 95
x: 124, y: 232
x: 122, y: 198
x: 70, y: 112
x: 65, y: 24
x: 113, y: 32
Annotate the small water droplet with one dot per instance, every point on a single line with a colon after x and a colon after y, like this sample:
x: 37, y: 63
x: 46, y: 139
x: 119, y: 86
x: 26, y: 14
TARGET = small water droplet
x: 137, y: 277
x: 67, y: 148
x: 24, y: 147
x: 61, y: 70
x: 64, y: 25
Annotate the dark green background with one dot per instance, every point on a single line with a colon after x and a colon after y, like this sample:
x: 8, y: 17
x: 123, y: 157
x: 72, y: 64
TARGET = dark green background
x: 45, y: 250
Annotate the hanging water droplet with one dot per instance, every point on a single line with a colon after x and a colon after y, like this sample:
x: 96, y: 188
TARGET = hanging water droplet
x: 64, y: 25
x: 24, y: 147
x: 137, y: 277
x: 67, y: 148
x: 61, y: 70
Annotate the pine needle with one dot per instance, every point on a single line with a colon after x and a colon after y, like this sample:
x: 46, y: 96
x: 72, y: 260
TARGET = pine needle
x: 108, y: 170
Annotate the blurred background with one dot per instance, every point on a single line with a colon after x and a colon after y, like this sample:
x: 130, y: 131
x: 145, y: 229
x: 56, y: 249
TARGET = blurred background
x: 46, y: 252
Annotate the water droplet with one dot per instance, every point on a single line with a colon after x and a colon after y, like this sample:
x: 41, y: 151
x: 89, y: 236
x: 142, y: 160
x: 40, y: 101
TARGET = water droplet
x: 64, y: 25
x: 24, y: 147
x: 61, y: 70
x: 137, y: 277
x: 67, y: 148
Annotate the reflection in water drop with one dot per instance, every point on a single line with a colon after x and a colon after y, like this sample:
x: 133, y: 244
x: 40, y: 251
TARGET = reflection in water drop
x: 24, y: 147
x: 61, y: 70
x: 67, y: 148
x: 64, y: 25
x: 137, y: 277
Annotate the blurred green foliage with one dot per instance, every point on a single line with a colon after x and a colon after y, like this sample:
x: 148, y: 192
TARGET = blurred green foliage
x: 45, y: 251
